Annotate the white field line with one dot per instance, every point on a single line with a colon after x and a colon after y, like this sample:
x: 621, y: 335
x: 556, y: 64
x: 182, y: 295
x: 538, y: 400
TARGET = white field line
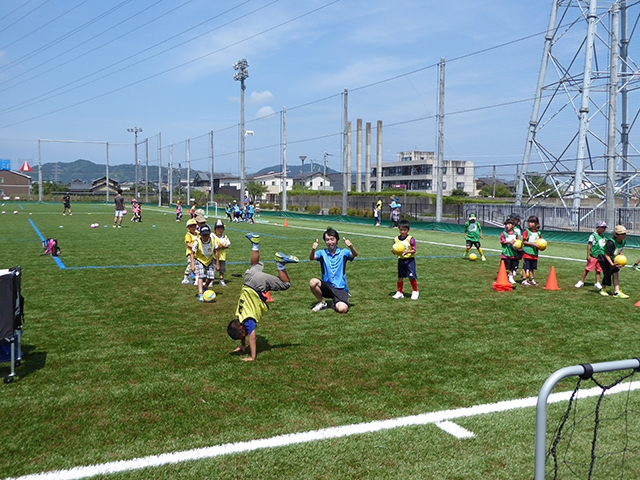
x: 455, y: 429
x: 454, y: 245
x: 312, y: 436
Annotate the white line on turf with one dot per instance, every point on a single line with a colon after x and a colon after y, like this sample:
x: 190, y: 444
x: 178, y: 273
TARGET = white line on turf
x: 315, y: 435
x: 454, y: 429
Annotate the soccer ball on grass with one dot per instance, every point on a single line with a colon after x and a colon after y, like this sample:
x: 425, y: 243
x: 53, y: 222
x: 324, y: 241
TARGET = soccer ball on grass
x: 473, y: 257
x: 209, y: 296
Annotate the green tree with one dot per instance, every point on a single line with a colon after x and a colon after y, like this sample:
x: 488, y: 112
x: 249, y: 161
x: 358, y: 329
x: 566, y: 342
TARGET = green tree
x: 459, y: 192
x: 255, y: 190
x: 501, y: 191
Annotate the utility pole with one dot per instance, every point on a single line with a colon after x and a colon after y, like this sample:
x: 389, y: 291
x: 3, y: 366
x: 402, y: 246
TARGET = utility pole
x: 135, y: 131
x: 326, y: 154
x: 302, y: 158
x: 241, y: 67
x: 440, y: 159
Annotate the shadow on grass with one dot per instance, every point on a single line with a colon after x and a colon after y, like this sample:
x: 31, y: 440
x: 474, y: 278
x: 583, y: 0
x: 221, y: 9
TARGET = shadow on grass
x: 262, y: 345
x: 32, y: 361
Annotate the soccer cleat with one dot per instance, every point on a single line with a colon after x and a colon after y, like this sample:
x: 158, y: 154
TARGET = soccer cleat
x: 223, y: 283
x: 597, y: 285
x: 484, y: 259
x: 620, y: 294
x: 512, y: 280
x: 604, y: 293
x: 533, y: 283
x: 636, y: 267
x: 200, y: 299
x: 398, y: 295
x: 415, y: 295
x: 465, y: 254
x: 253, y: 238
x: 283, y: 258
x: 185, y: 281
x: 525, y: 283
x: 580, y: 284
x: 319, y: 306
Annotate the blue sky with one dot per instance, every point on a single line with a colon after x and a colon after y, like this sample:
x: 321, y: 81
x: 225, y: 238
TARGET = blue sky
x: 87, y: 70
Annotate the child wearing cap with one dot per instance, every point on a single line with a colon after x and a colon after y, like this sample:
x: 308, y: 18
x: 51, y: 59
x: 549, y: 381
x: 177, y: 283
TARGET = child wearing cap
x: 202, y: 260
x: 222, y: 243
x: 595, y: 248
x: 189, y: 238
x: 473, y: 235
x: 509, y: 252
x: 252, y: 303
x: 613, y: 247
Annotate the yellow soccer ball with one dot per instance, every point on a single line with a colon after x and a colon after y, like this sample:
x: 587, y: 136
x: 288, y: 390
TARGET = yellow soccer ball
x: 541, y: 243
x: 209, y: 296
x: 398, y: 248
x: 517, y: 244
x: 473, y: 257
x: 620, y: 260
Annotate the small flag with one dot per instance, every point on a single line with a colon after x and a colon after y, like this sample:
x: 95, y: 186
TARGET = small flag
x: 26, y: 167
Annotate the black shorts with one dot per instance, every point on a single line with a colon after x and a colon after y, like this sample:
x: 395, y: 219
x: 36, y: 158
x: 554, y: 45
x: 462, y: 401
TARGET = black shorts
x: 335, y: 294
x: 530, y: 264
x: 471, y: 243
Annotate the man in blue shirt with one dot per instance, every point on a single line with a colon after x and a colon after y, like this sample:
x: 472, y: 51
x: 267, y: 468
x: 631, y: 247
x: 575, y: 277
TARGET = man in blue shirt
x: 333, y: 263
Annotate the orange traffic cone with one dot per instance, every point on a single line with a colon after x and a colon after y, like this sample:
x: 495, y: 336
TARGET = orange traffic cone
x: 502, y: 283
x: 268, y: 295
x: 552, y: 283
x: 637, y: 304
x: 286, y: 223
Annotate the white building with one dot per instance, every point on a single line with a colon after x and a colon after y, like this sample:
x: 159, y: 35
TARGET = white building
x: 417, y: 170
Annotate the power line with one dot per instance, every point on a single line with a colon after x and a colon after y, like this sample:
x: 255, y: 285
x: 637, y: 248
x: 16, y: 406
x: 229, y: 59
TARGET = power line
x: 22, y: 17
x: 32, y: 101
x: 41, y: 26
x: 63, y: 37
x: 168, y: 69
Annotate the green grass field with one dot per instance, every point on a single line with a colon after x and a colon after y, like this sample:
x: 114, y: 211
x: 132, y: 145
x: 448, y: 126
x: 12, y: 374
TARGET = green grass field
x: 121, y: 360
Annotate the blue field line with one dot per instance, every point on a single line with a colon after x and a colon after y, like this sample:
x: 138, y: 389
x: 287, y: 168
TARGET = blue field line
x: 42, y: 239
x: 20, y: 207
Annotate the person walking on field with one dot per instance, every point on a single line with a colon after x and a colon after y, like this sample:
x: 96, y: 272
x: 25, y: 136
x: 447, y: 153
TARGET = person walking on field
x: 66, y: 200
x: 120, y: 209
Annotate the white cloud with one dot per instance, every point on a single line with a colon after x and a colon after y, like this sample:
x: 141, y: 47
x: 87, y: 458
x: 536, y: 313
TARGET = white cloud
x: 259, y: 97
x: 264, y: 112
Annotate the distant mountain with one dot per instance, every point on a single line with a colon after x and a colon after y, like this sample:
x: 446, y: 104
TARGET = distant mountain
x: 295, y: 169
x: 87, y: 171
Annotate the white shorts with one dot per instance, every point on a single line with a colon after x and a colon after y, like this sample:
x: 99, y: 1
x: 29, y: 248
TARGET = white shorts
x: 119, y: 213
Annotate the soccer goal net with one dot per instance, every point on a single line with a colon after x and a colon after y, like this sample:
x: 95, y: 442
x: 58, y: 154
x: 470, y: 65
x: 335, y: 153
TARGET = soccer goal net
x: 595, y: 427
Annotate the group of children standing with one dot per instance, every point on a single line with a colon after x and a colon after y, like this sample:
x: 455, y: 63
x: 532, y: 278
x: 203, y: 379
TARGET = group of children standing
x: 206, y: 254
x: 601, y: 257
x: 518, y: 244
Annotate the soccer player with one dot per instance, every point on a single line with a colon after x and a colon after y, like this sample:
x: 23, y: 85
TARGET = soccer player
x: 595, y: 248
x: 530, y: 251
x: 333, y: 262
x: 473, y: 235
x: 509, y: 252
x: 202, y: 260
x: 406, y: 261
x: 610, y: 269
x: 252, y: 303
x: 66, y: 200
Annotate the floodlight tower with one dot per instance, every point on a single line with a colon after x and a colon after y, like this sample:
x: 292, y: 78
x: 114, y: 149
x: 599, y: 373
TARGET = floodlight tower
x: 574, y: 129
x: 135, y: 131
x: 242, y: 73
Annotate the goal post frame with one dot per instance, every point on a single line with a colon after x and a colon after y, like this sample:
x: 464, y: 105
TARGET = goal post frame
x: 545, y: 391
